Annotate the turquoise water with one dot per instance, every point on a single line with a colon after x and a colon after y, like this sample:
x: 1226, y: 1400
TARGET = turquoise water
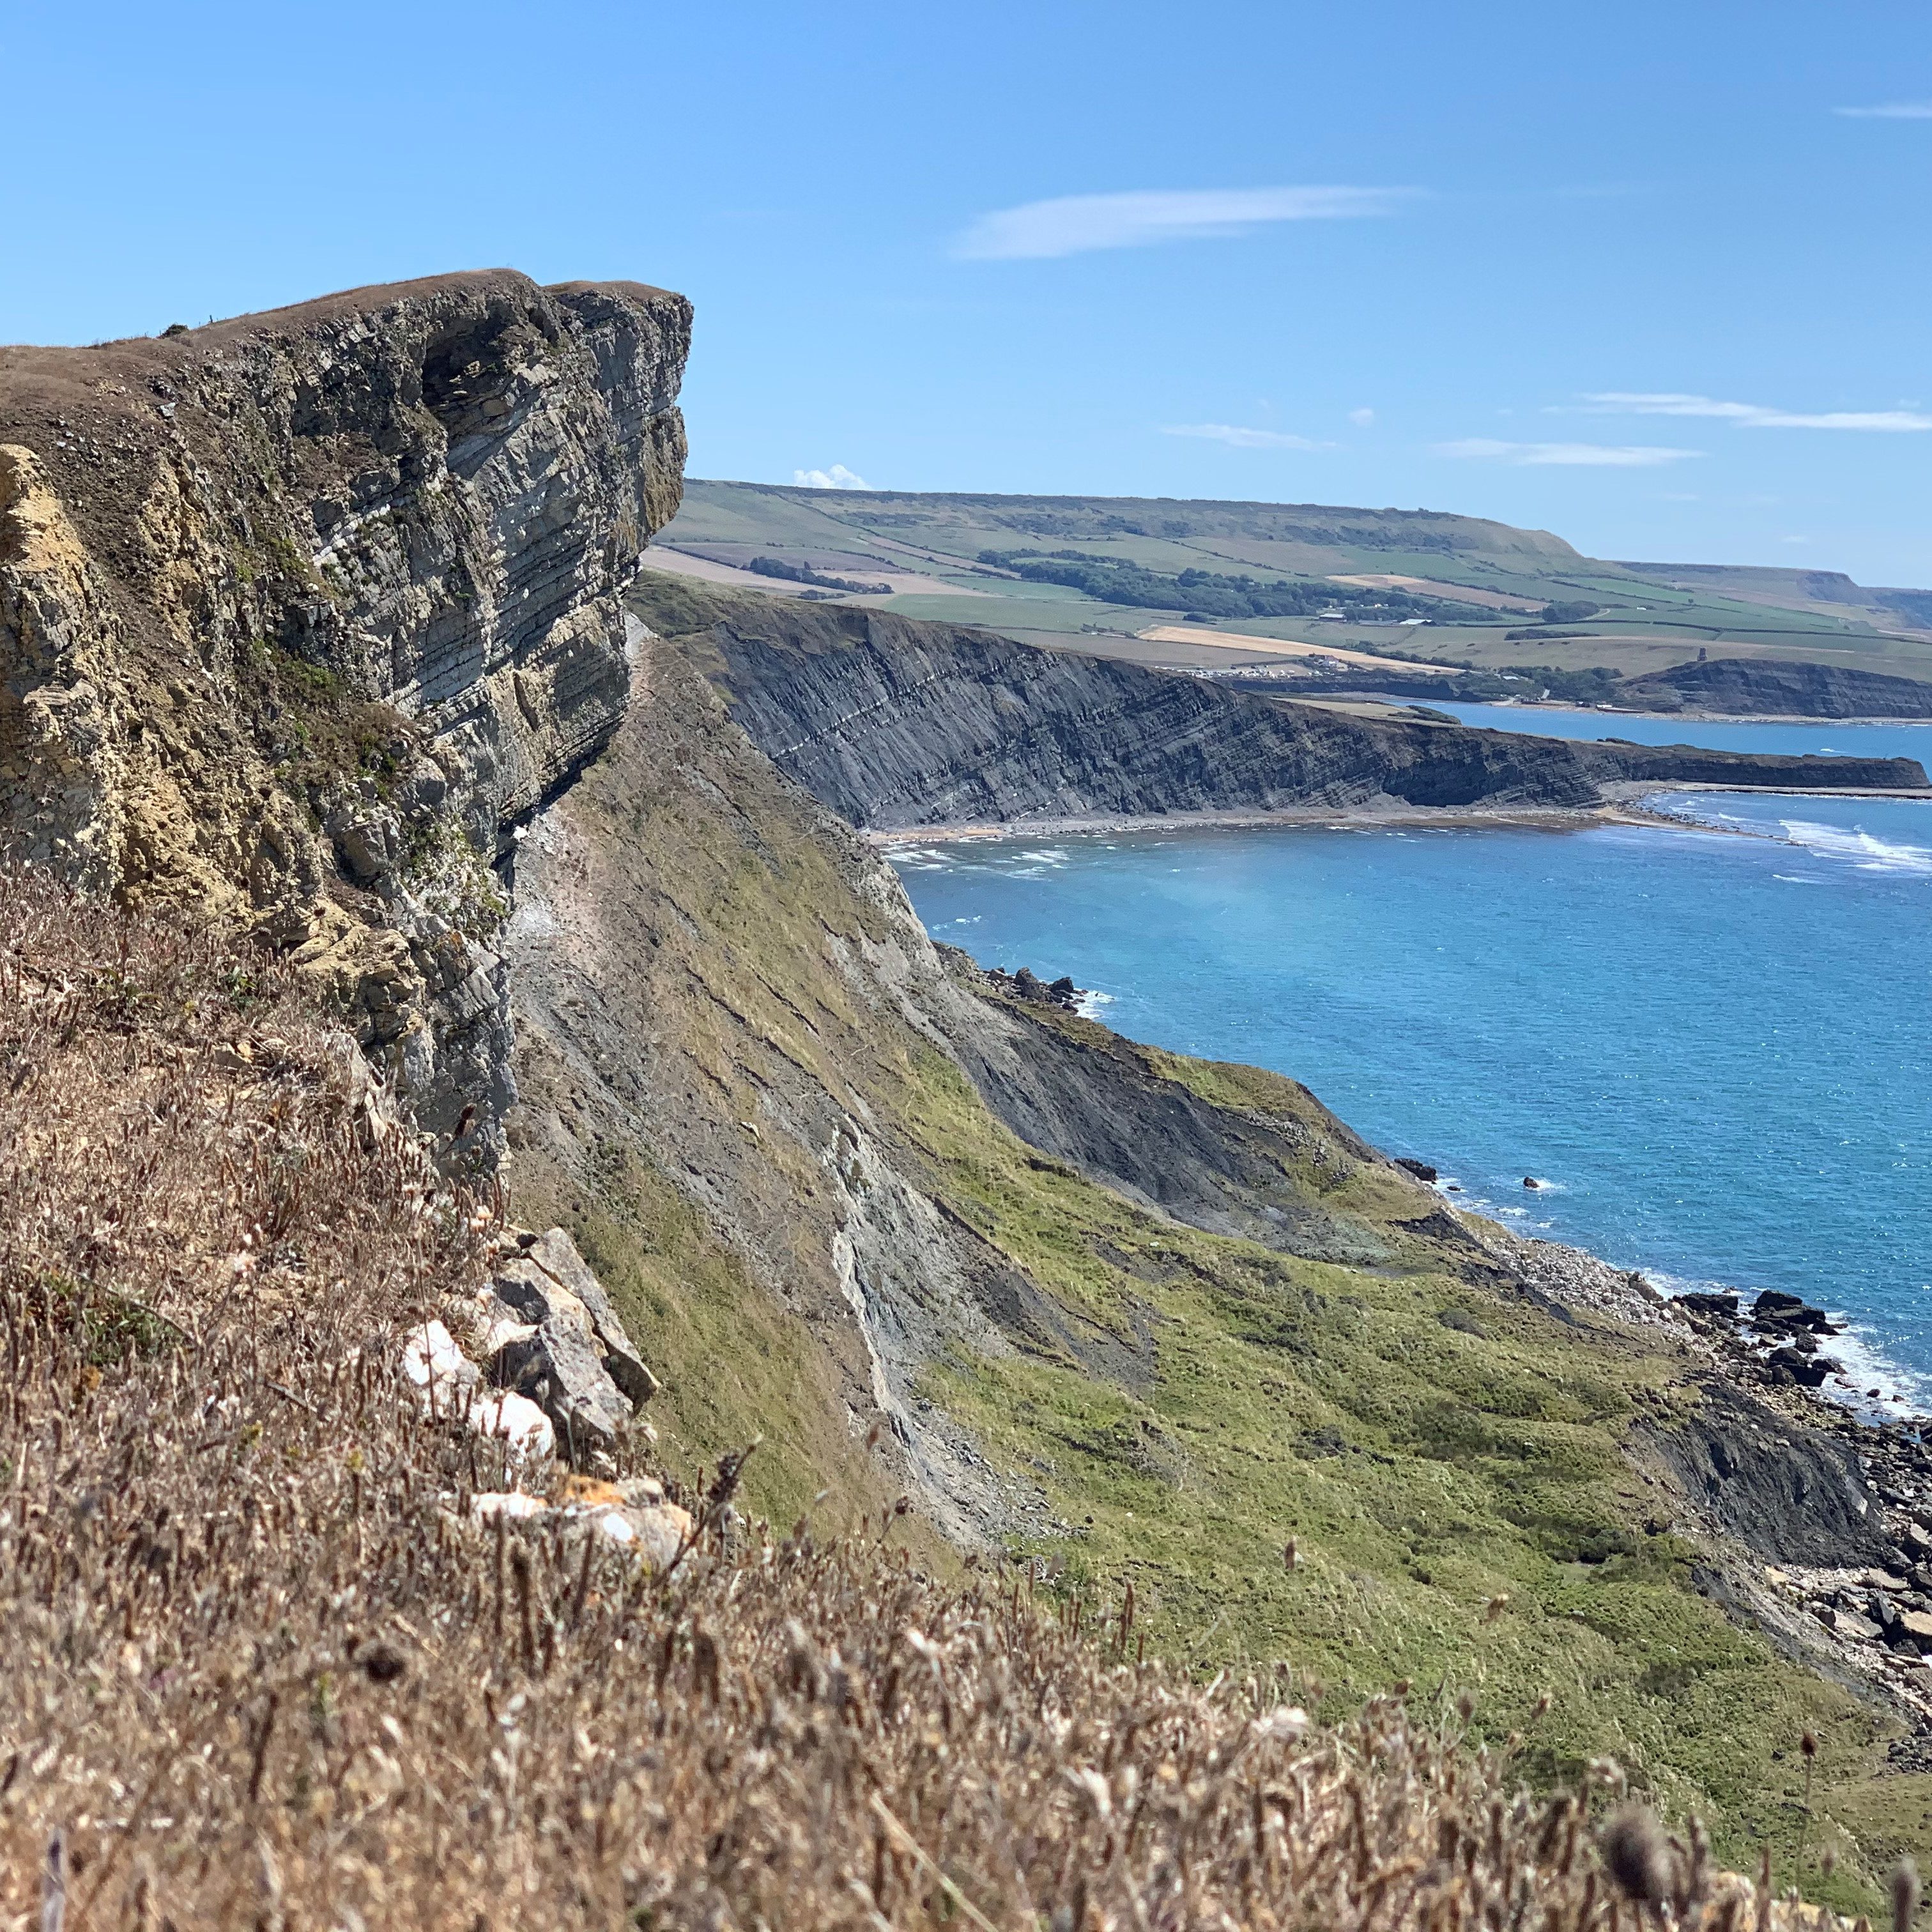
x: 1713, y: 1044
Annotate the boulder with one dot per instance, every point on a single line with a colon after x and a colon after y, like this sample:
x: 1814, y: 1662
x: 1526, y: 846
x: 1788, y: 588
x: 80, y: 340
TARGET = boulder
x: 437, y: 1369
x: 656, y: 1530
x: 559, y: 1367
x: 518, y: 1421
x: 556, y: 1253
x: 1421, y: 1169
x: 1849, y: 1624
x: 1918, y: 1624
x: 551, y: 1333
x: 1774, y: 1310
x: 1724, y: 1306
x: 1808, y: 1371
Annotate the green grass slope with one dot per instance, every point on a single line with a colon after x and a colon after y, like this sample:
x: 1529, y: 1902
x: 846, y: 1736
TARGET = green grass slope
x: 1450, y: 1459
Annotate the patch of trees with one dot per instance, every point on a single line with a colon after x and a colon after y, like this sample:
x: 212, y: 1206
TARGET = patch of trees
x: 1211, y: 594
x: 1595, y: 684
x: 1572, y: 612
x: 803, y: 573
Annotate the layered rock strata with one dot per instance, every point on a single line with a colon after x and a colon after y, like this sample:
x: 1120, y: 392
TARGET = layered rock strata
x: 1761, y: 687
x: 896, y: 724
x: 300, y: 613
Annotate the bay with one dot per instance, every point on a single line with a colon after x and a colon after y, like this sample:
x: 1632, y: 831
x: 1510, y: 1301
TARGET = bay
x: 1713, y: 1046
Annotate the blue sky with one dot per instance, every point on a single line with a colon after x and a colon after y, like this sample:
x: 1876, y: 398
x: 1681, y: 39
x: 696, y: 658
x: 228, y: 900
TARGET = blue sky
x: 1633, y: 273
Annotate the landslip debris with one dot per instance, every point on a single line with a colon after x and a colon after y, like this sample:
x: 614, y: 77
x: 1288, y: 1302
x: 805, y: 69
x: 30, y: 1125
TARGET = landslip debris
x: 549, y: 1367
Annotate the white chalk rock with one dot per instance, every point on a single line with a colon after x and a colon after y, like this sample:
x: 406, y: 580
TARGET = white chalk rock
x: 661, y: 1531
x: 517, y: 1420
x: 512, y: 1504
x: 431, y: 1356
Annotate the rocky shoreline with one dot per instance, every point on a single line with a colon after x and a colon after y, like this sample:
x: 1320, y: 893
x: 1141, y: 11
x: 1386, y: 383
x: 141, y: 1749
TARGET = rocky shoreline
x: 1547, y: 818
x: 1628, y: 805
x: 1826, y: 1516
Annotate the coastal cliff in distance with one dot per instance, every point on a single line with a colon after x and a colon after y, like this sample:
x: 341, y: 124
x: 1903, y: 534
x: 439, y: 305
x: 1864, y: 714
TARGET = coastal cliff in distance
x: 301, y: 613
x: 896, y: 724
x: 1765, y: 688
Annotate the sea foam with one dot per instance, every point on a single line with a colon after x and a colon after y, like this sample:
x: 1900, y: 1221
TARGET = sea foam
x: 1859, y: 848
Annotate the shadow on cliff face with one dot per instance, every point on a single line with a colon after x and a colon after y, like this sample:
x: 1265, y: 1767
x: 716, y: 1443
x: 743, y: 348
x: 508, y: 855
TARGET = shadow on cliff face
x: 1788, y: 1495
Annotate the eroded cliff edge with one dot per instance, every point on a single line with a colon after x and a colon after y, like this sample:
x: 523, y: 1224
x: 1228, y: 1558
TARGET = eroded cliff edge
x: 301, y: 613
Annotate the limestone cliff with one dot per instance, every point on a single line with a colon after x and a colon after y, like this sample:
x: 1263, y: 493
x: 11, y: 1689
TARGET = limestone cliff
x: 301, y: 613
x: 895, y: 724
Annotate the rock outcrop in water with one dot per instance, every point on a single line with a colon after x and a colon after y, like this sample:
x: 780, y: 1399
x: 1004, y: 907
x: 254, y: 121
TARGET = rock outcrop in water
x: 301, y: 613
x: 896, y: 724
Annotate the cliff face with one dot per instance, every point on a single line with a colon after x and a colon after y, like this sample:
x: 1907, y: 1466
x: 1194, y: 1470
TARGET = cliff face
x: 301, y: 613
x: 894, y: 723
x: 1757, y: 687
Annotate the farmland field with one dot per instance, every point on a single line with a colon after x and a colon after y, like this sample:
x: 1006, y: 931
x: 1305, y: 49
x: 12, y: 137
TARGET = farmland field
x: 1380, y: 568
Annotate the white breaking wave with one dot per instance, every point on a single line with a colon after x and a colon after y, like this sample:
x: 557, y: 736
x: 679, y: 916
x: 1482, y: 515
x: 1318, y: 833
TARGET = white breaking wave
x: 1859, y: 849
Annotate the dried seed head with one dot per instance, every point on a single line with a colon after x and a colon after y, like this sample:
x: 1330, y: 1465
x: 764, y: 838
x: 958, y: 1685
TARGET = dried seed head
x: 382, y: 1663
x: 1904, y: 1895
x: 1808, y: 1744
x: 1635, y: 1855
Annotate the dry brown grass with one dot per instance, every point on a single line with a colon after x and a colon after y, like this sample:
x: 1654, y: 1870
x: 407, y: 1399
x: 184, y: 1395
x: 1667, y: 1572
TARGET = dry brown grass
x: 262, y: 1671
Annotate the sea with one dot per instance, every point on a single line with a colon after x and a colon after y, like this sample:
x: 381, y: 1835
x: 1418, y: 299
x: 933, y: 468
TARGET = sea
x: 1711, y: 1046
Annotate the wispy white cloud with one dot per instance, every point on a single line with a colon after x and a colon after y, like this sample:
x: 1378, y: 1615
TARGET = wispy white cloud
x: 1579, y: 455
x: 1071, y: 224
x: 1361, y: 418
x: 837, y: 478
x: 1239, y: 438
x: 1889, y: 110
x: 1752, y: 415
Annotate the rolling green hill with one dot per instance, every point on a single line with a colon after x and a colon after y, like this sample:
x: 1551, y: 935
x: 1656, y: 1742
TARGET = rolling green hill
x: 1127, y: 564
